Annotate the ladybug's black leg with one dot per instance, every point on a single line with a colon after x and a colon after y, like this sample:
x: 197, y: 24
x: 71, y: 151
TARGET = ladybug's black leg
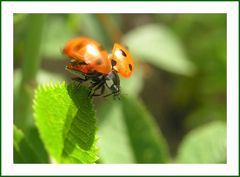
x: 99, y: 86
x: 108, y: 94
x: 94, y: 84
x: 114, y: 94
x: 97, y: 80
x: 101, y: 92
x: 79, y: 81
x: 94, y: 75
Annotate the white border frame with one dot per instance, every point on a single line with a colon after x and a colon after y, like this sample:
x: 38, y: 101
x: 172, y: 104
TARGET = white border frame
x: 231, y: 8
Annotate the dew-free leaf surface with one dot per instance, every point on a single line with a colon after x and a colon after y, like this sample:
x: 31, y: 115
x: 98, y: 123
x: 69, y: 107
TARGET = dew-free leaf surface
x: 66, y: 122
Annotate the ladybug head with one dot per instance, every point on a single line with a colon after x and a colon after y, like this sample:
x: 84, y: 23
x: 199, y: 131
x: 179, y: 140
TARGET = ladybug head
x: 113, y: 82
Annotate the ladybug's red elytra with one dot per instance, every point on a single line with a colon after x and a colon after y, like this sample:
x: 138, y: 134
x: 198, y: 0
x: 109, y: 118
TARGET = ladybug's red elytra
x: 90, y: 61
x: 89, y: 52
x: 123, y: 60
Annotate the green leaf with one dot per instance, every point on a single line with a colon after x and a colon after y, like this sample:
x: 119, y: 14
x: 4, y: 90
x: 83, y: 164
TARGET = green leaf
x: 66, y: 122
x: 128, y: 134
x: 157, y: 45
x: 23, y: 151
x: 147, y: 142
x: 206, y: 144
x: 114, y: 142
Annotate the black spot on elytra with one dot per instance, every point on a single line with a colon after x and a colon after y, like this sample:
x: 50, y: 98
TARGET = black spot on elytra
x: 113, y: 62
x: 99, y: 61
x: 130, y: 67
x: 123, y: 53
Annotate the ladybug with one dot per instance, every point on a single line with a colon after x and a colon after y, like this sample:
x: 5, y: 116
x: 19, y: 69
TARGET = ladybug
x: 90, y: 61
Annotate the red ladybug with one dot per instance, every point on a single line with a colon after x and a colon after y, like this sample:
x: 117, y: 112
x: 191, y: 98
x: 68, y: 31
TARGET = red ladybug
x: 90, y: 61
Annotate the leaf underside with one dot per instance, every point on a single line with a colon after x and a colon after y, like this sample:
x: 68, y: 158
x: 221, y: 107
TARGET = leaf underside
x: 66, y: 122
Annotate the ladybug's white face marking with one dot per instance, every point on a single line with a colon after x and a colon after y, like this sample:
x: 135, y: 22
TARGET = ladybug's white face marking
x: 109, y: 83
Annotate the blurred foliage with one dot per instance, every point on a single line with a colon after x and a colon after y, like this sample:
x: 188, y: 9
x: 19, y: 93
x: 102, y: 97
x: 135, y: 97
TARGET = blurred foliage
x: 172, y: 107
x: 206, y: 144
x: 158, y: 46
x: 30, y: 65
x: 25, y: 151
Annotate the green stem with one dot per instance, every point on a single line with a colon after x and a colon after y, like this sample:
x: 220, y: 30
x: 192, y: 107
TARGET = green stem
x: 30, y: 66
x: 32, y: 57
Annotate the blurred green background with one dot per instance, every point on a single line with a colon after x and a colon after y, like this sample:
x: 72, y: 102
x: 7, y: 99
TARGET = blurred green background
x: 180, y: 80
